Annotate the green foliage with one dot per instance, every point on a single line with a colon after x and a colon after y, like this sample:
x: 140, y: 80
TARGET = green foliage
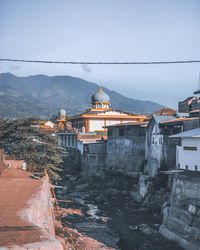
x: 42, y: 96
x: 32, y: 144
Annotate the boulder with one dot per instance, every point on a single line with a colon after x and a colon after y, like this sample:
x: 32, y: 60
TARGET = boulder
x: 146, y: 229
x: 136, y: 197
x: 81, y: 187
x: 101, y: 198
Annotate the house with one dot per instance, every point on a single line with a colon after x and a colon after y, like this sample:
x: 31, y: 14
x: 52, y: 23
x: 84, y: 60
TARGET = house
x: 166, y: 112
x: 160, y: 146
x: 188, y: 153
x: 185, y: 106
x: 126, y: 146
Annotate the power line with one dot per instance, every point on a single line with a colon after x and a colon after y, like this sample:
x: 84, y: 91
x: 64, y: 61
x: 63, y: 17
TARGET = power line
x: 100, y: 63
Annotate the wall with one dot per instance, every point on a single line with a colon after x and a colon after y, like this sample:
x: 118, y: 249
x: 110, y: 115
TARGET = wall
x: 190, y: 158
x: 126, y: 152
x: 96, y: 125
x: 40, y: 214
x: 181, y: 216
x: 94, y: 157
x: 153, y: 150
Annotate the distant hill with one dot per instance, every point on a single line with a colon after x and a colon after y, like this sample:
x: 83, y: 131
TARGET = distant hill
x: 42, y: 96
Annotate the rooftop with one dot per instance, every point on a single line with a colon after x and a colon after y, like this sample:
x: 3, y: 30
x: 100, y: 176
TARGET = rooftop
x: 178, y: 120
x: 194, y: 133
x: 142, y: 124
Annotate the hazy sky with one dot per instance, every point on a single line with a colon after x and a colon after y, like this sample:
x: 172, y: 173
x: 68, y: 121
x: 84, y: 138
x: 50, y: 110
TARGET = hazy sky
x: 107, y: 30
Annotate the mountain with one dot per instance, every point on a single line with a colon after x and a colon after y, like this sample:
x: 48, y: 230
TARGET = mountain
x: 42, y: 96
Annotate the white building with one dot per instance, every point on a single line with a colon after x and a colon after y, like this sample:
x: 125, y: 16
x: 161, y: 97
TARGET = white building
x: 188, y: 154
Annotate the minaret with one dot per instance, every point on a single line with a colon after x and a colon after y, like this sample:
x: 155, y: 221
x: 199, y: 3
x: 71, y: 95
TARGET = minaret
x: 62, y: 118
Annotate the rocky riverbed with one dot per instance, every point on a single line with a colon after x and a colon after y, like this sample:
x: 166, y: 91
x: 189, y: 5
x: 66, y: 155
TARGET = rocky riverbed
x: 103, y: 210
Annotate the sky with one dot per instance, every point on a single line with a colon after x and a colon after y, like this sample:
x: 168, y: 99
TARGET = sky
x: 102, y: 30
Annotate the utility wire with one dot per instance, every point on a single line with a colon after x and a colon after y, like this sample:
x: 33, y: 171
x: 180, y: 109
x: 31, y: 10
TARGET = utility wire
x: 104, y: 63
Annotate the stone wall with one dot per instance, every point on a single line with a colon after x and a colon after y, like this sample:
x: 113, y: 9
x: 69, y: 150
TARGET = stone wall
x: 126, y: 152
x: 181, y: 217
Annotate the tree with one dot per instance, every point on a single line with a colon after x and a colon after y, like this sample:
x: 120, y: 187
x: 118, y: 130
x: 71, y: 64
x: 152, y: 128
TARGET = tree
x: 34, y: 145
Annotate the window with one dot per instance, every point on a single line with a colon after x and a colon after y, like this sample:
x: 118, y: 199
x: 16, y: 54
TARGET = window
x: 179, y: 166
x: 190, y: 148
x: 121, y: 132
x: 152, y: 140
x: 186, y: 167
x: 196, y: 168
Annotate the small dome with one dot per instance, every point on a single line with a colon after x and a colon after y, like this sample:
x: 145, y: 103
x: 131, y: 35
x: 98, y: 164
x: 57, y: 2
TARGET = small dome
x: 100, y: 96
x: 62, y: 111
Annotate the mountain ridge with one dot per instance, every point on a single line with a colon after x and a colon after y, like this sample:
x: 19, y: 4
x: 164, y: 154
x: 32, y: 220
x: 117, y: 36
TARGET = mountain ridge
x: 41, y: 96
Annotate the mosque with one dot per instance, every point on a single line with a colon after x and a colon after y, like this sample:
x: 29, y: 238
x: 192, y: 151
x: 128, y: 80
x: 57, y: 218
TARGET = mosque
x: 90, y: 126
x: 101, y: 115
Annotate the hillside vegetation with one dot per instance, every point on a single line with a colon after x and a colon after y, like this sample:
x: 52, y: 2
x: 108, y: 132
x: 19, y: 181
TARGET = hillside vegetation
x: 42, y: 96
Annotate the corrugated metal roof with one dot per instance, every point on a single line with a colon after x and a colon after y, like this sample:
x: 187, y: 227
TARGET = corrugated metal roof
x: 127, y: 124
x: 190, y: 133
x: 162, y: 118
x: 178, y: 120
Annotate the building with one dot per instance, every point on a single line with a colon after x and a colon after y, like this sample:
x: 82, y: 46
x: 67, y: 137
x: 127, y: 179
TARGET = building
x: 126, y: 146
x: 100, y: 115
x: 160, y: 146
x: 188, y: 153
x: 166, y: 112
x: 154, y: 153
x: 185, y: 106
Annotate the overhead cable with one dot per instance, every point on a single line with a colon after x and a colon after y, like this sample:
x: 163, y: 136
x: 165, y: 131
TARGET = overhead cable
x: 98, y: 63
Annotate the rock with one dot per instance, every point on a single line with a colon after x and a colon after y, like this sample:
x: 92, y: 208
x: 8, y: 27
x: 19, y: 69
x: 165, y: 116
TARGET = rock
x: 133, y: 227
x: 136, y: 197
x: 100, y: 198
x: 145, y: 229
x: 81, y: 187
x: 192, y: 209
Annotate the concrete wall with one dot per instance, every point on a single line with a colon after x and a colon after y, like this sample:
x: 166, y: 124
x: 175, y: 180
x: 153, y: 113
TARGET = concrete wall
x: 94, y: 158
x: 126, y: 152
x: 154, y: 149
x: 189, y: 158
x: 40, y: 214
x: 181, y: 217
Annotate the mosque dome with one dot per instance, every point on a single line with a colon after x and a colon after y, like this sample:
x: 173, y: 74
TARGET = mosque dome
x: 100, y: 97
x: 62, y: 112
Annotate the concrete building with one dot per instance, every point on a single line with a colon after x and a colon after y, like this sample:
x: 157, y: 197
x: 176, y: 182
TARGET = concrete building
x: 126, y: 146
x: 188, y: 154
x: 101, y: 115
x: 154, y: 148
x: 185, y: 106
x: 160, y: 146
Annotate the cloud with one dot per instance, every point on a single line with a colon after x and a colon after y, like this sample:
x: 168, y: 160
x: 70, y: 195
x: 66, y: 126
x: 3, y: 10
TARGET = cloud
x: 86, y: 68
x: 14, y: 67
